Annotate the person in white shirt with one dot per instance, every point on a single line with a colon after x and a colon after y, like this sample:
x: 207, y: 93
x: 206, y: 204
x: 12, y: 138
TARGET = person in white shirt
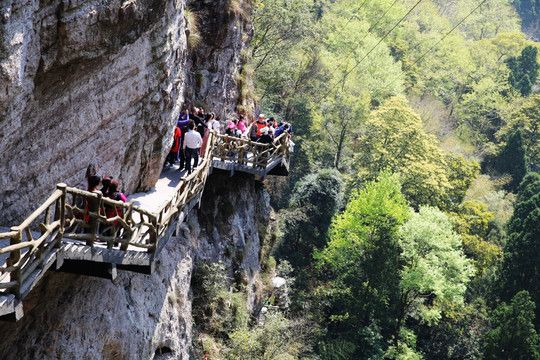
x: 192, y: 143
x: 214, y: 124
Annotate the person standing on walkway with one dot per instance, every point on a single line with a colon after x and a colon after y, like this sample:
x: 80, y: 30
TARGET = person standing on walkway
x: 209, y: 126
x: 192, y: 142
x: 183, y: 120
x: 184, y: 115
x: 242, y: 124
x: 173, y: 153
x: 265, y: 137
x: 255, y: 130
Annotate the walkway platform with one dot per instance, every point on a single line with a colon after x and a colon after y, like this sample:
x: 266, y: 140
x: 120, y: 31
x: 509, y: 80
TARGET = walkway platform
x: 73, y: 230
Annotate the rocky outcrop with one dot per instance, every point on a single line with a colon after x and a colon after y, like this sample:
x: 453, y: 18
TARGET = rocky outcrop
x: 102, y: 82
x: 145, y: 316
x: 216, y: 64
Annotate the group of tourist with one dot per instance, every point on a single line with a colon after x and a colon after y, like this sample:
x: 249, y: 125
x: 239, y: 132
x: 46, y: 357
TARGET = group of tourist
x: 193, y: 128
x: 190, y: 137
x: 110, y: 188
x: 261, y: 130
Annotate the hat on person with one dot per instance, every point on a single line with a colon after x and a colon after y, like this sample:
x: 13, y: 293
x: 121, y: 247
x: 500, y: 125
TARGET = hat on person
x: 264, y: 130
x: 261, y: 115
x: 231, y: 125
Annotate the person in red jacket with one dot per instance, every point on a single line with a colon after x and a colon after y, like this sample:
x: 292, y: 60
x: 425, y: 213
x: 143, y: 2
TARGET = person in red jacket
x: 175, y: 147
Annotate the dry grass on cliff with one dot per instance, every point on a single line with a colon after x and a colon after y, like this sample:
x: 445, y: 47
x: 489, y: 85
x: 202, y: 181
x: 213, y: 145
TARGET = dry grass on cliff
x: 237, y: 8
x: 194, y: 36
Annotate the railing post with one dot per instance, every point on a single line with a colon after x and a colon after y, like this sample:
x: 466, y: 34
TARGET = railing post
x: 60, y: 213
x: 241, y: 156
x: 255, y: 154
x: 14, y: 258
x: 209, y: 146
x: 154, y: 234
x: 266, y: 157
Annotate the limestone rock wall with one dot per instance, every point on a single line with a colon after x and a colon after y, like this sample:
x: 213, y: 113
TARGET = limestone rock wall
x: 86, y: 82
x: 143, y: 316
x: 226, y: 32
x: 102, y: 82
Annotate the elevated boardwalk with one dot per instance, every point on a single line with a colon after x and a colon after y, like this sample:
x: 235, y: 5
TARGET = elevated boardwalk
x: 70, y: 232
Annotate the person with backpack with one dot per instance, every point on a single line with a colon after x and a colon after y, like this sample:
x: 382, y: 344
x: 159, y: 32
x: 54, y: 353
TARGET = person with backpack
x: 184, y: 115
x: 284, y: 127
x: 183, y: 120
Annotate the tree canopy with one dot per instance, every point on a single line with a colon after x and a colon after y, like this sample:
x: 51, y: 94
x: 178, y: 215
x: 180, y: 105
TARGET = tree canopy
x: 427, y: 113
x: 395, y: 141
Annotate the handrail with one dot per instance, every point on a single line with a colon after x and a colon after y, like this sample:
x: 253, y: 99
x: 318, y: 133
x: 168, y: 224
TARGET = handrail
x: 71, y: 213
x: 25, y: 253
x: 248, y: 153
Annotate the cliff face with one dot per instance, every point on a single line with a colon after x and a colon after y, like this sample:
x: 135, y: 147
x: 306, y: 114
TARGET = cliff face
x: 102, y: 82
x: 144, y: 316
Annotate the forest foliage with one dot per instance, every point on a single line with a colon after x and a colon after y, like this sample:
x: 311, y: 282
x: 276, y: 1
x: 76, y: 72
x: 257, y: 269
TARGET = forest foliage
x: 428, y: 113
x: 411, y: 213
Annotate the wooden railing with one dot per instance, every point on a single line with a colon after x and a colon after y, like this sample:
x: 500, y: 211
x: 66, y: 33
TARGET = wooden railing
x: 71, y: 214
x: 28, y: 248
x: 249, y: 153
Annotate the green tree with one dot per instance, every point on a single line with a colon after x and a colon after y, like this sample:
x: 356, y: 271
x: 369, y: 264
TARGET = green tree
x: 527, y: 120
x: 471, y: 221
x: 277, y: 338
x: 529, y: 10
x: 489, y: 19
x: 316, y: 199
x: 382, y: 274
x: 529, y: 187
x: 524, y: 70
x: 284, y: 59
x: 434, y: 273
x: 512, y: 160
x: 359, y: 267
x: 461, y: 174
x: 338, y: 121
x: 521, y: 266
x: 395, y: 141
x: 513, y: 335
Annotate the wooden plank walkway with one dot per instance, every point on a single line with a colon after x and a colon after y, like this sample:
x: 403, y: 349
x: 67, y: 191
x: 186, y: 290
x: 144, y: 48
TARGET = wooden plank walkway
x: 69, y: 231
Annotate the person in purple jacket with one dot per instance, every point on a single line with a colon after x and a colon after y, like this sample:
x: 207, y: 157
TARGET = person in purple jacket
x: 183, y: 120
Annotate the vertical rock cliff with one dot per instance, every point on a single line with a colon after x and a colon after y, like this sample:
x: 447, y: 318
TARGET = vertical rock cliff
x: 144, y: 316
x: 102, y: 82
